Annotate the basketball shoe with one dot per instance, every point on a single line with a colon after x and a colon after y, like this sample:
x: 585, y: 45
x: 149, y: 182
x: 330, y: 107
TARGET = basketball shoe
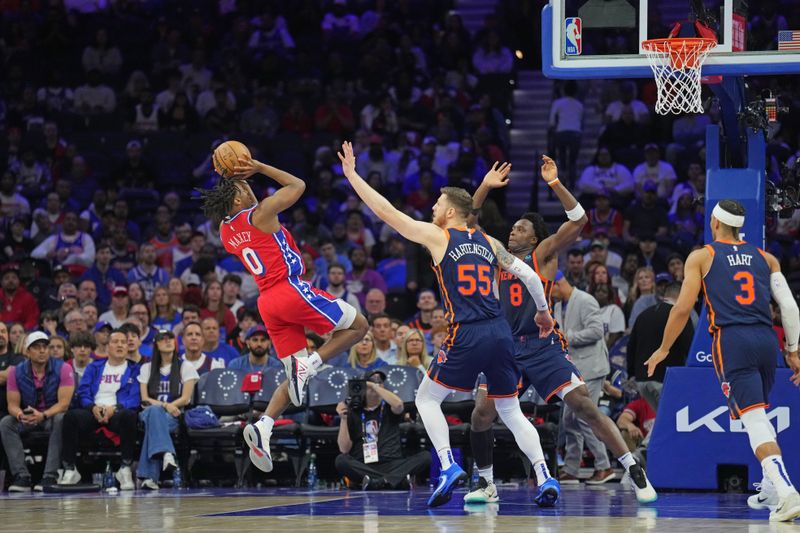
x: 257, y: 438
x: 485, y: 492
x: 788, y: 509
x: 637, y: 479
x: 299, y: 372
x: 448, y: 480
x: 548, y: 494
x: 767, y: 497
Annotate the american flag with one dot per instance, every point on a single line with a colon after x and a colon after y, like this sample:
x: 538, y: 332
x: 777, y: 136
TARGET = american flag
x: 789, y: 40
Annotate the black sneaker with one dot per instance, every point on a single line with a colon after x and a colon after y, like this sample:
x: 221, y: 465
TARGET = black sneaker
x: 20, y: 484
x: 47, y: 481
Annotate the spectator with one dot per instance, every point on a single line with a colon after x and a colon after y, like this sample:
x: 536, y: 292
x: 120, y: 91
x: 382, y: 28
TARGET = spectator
x: 108, y: 397
x: 649, y: 254
x: 87, y: 291
x: 491, y: 57
x: 333, y: 115
x: 165, y: 316
x: 133, y: 329
x: 102, y: 331
x: 426, y: 303
x: 8, y: 359
x: 339, y: 25
x: 39, y: 391
x: 566, y: 121
x: 214, y: 307
x: 646, y: 338
x: 16, y: 334
x: 393, y: 268
x: 575, y: 275
x: 16, y: 303
x: 625, y: 138
x: 400, y: 332
x: 12, y: 203
x: 175, y: 288
x: 645, y: 216
x: 82, y: 346
x: 604, y: 173
x: 94, y: 98
x: 364, y: 356
x: 361, y: 279
x: 165, y: 393
x: 257, y: 358
x: 675, y: 267
x: 375, y: 303
x: 147, y: 273
x: 688, y: 135
x: 413, y: 351
x: 185, y: 263
x: 212, y: 346
x: 636, y: 422
x: 196, y: 77
x: 627, y: 98
x: 599, y: 252
x: 582, y: 325
x: 17, y: 245
x: 685, y: 223
x: 248, y: 318
x: 383, y: 338
x: 136, y: 294
x: 260, y: 119
x: 141, y: 312
x: 74, y: 321
x: 69, y: 247
x: 104, y: 276
x: 90, y: 313
x: 190, y: 313
x: 655, y: 170
x: 120, y: 306
x: 329, y: 256
x: 193, y: 344
x: 231, y: 285
x: 610, y: 313
x: 643, y: 288
x: 370, y: 441
x: 358, y: 234
x: 101, y: 56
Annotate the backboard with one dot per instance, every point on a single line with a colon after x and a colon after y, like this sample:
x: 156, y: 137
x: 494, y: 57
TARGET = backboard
x: 584, y: 39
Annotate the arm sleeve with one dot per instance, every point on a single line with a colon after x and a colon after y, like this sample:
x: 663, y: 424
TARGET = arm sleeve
x: 532, y: 282
x: 790, y: 315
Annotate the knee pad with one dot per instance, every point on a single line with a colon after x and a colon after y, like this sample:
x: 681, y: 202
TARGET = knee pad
x: 758, y: 427
x: 349, y: 314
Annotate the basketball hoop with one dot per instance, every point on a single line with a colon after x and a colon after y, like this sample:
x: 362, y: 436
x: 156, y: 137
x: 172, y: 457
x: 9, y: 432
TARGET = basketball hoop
x: 676, y: 64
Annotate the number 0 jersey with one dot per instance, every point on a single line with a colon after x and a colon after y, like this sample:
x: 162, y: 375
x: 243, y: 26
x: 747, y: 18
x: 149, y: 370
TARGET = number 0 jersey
x: 466, y: 277
x: 736, y: 285
x: 269, y: 257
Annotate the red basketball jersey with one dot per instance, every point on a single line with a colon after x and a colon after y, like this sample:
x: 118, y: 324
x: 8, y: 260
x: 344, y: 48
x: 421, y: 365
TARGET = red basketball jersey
x: 270, y: 257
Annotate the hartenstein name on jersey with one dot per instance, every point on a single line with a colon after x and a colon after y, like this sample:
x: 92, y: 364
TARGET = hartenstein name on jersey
x: 471, y: 248
x: 239, y: 238
x: 739, y: 259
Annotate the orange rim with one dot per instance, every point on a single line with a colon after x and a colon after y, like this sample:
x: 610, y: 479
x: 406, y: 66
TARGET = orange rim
x: 684, y: 51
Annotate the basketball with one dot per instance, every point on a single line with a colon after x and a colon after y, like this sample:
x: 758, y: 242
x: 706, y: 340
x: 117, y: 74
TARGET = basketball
x: 226, y: 156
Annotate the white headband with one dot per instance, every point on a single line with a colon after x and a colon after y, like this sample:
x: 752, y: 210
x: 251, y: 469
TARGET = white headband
x: 728, y: 218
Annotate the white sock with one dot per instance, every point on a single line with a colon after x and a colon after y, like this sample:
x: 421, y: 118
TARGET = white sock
x: 776, y: 472
x: 487, y: 474
x: 627, y: 461
x: 445, y: 457
x: 268, y: 423
x: 315, y: 360
x: 542, y: 473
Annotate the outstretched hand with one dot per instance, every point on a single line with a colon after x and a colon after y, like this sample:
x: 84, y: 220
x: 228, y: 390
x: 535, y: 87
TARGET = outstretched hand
x: 658, y: 356
x: 245, y: 167
x: 497, y: 177
x: 348, y: 160
x: 549, y: 169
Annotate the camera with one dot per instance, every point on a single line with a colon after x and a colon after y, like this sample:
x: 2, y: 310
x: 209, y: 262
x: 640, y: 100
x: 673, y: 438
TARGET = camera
x: 356, y: 393
x: 763, y: 112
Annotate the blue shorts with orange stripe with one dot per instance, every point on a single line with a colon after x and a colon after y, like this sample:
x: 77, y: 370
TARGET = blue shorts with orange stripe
x: 476, y: 347
x: 545, y: 364
x: 744, y: 358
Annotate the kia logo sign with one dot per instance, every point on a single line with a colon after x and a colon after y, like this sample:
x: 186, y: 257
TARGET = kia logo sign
x: 708, y: 420
x: 703, y: 357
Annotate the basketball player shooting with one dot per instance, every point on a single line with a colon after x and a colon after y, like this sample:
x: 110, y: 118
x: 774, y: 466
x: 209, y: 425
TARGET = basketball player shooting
x: 737, y: 279
x: 478, y: 337
x: 250, y: 230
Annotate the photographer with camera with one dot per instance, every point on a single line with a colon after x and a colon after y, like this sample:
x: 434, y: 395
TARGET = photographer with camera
x: 369, y: 437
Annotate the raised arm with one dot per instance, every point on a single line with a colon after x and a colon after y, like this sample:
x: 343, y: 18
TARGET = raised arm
x: 291, y: 190
x: 569, y: 231
x: 424, y: 233
x: 531, y: 280
x: 679, y: 315
x: 496, y: 178
x: 790, y: 315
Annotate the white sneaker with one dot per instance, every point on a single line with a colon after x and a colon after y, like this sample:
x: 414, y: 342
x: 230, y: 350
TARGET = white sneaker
x: 766, y: 498
x: 168, y: 462
x: 257, y: 438
x: 645, y: 493
x: 70, y: 477
x: 149, y: 484
x: 788, y: 509
x: 300, y: 372
x: 484, y: 493
x: 125, y: 478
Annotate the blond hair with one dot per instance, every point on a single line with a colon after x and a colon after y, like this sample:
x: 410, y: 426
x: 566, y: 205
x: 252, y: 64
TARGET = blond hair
x: 402, y: 352
x: 352, y: 358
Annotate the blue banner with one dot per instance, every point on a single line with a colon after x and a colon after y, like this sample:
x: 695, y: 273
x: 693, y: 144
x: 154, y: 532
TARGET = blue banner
x: 694, y: 433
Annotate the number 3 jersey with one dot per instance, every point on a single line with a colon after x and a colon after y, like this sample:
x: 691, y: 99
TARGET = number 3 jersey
x: 466, y: 277
x: 736, y: 285
x: 270, y: 257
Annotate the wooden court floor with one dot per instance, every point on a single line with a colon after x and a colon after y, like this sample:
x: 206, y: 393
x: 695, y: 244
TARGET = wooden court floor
x: 605, y: 509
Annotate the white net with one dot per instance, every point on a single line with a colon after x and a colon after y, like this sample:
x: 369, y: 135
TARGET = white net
x: 676, y: 64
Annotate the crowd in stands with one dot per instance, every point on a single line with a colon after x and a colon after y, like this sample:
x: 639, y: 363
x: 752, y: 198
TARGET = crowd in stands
x: 109, y: 268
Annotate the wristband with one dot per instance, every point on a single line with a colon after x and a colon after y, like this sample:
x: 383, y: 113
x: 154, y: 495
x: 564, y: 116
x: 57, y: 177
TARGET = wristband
x: 551, y: 183
x: 576, y: 213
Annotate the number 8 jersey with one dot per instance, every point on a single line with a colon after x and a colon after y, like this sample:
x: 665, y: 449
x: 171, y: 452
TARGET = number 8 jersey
x: 736, y: 285
x: 466, y: 277
x: 270, y: 257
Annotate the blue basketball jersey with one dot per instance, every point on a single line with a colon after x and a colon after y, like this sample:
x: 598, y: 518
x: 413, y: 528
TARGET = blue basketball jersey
x: 466, y: 275
x: 737, y: 285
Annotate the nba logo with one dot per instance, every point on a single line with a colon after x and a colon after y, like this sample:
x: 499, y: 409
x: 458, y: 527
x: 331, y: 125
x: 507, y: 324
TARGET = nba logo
x: 573, y: 45
x: 726, y: 388
x: 442, y: 357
